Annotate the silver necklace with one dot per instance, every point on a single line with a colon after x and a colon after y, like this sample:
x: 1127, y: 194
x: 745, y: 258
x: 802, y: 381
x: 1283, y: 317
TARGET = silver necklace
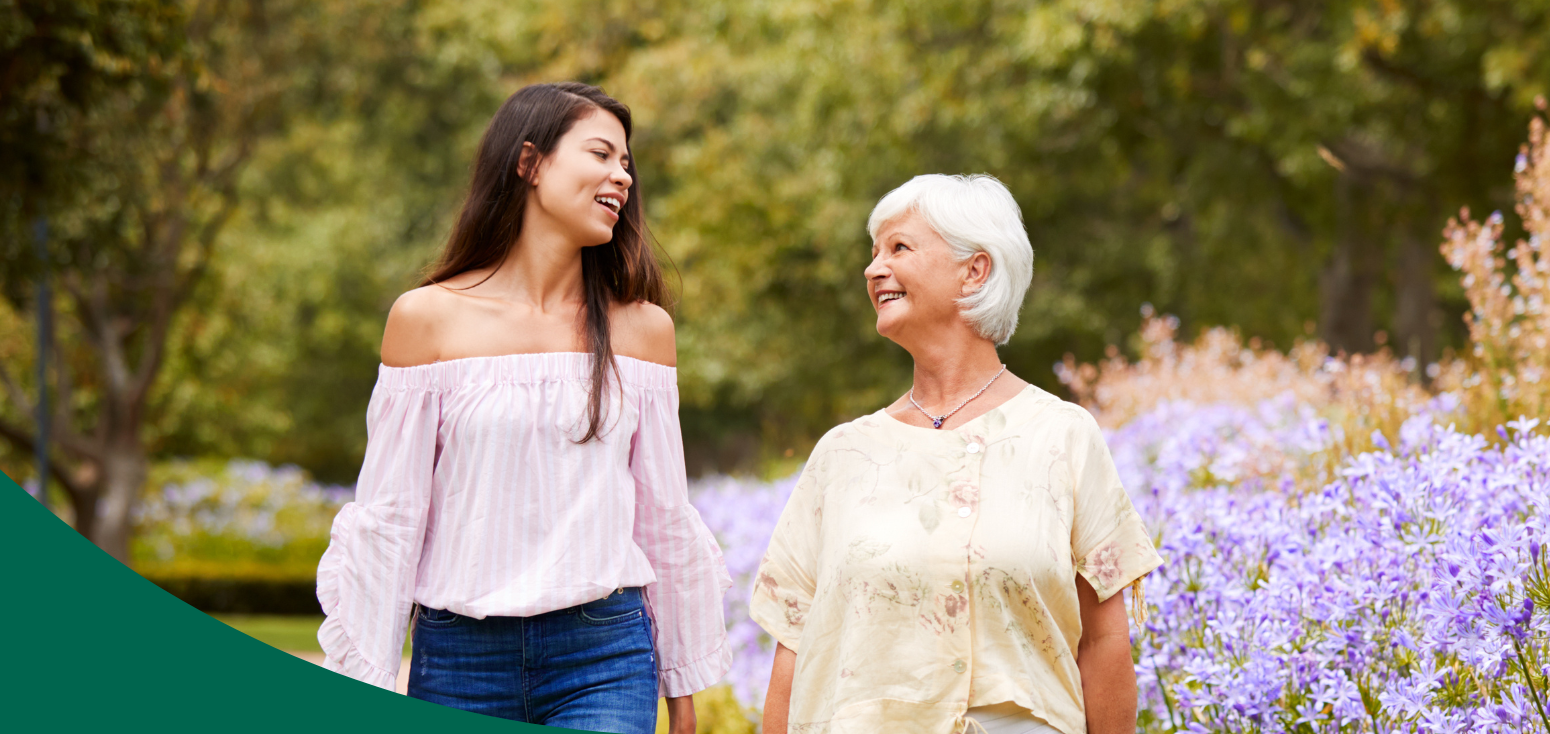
x: 936, y: 420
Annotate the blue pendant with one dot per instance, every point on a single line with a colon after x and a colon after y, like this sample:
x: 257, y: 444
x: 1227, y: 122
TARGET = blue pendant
x: 936, y: 422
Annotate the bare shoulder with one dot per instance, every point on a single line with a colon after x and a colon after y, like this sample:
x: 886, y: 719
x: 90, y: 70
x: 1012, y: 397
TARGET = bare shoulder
x: 644, y: 331
x: 410, y: 338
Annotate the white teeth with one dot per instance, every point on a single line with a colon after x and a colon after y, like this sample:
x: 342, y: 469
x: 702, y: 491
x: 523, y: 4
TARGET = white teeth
x: 886, y: 297
x: 609, y: 202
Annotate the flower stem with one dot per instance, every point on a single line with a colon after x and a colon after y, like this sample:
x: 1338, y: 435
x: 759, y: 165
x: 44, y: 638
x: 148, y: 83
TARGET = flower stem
x: 1162, y: 685
x: 1528, y: 675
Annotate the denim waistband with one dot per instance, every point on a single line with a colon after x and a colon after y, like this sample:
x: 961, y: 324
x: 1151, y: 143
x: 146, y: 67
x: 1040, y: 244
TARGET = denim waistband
x: 623, y: 593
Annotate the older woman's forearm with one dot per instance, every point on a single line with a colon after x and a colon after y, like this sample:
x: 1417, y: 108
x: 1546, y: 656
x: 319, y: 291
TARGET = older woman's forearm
x: 1108, y: 685
x: 777, y: 700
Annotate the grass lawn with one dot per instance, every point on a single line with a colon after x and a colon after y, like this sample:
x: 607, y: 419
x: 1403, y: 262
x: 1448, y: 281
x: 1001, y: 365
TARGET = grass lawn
x: 293, y: 634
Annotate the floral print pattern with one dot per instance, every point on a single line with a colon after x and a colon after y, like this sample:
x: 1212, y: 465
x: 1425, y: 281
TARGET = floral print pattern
x: 918, y: 572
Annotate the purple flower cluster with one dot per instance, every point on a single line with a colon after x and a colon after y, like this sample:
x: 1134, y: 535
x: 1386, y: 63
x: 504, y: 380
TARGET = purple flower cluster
x: 742, y: 514
x: 1407, y: 594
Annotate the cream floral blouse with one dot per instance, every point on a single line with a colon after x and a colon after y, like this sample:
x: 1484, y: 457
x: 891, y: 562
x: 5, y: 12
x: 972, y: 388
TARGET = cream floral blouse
x: 919, y: 572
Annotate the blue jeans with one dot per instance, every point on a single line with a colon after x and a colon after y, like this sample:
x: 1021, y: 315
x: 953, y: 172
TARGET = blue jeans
x: 589, y: 667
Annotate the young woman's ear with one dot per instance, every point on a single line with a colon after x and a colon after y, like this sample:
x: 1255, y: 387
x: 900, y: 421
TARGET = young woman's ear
x: 527, y: 164
x: 978, y: 272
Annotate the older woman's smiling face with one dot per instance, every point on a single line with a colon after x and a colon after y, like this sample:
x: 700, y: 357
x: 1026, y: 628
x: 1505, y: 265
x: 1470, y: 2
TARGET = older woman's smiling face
x: 915, y: 282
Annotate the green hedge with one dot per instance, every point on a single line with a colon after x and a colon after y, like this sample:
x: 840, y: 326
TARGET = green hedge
x: 238, y: 588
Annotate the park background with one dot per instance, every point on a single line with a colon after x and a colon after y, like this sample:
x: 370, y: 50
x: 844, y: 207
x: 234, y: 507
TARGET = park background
x: 1245, y: 266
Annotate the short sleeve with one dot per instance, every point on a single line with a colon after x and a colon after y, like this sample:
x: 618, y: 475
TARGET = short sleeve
x: 685, y: 603
x: 366, y: 577
x: 1110, y: 544
x: 787, y: 579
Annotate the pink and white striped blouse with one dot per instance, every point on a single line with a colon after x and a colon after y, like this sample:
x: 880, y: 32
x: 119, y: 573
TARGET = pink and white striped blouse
x: 475, y: 498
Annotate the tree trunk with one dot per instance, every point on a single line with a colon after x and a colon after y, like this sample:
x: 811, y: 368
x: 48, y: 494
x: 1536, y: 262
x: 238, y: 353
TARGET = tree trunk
x: 1347, y: 280
x: 84, y: 505
x: 1415, y: 302
x: 124, y: 471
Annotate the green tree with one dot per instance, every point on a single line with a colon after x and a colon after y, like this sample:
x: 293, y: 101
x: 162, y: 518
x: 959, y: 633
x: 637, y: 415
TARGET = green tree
x: 155, y: 164
x: 1259, y: 164
x: 1263, y: 165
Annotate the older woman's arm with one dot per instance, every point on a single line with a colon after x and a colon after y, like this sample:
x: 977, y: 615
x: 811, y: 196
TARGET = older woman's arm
x: 1103, y: 657
x: 777, y: 700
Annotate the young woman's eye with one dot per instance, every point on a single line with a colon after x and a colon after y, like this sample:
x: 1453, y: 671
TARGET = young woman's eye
x: 601, y: 155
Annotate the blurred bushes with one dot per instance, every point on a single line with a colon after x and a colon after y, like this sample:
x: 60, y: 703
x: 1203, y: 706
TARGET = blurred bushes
x: 235, y: 536
x: 236, y: 589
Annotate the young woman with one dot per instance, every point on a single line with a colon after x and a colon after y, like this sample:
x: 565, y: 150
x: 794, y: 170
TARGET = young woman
x: 523, y: 494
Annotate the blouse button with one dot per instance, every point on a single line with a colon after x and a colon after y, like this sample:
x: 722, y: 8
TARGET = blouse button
x: 957, y: 587
x: 972, y: 448
x: 963, y: 512
x: 958, y: 666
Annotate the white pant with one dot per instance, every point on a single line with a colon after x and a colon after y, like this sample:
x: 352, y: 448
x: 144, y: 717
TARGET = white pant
x: 1008, y: 718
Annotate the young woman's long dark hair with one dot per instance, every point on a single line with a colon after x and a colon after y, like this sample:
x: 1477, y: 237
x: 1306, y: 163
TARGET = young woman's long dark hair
x: 624, y: 270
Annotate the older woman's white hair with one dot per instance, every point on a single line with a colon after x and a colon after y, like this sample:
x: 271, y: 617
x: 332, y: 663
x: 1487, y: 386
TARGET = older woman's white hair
x: 973, y: 214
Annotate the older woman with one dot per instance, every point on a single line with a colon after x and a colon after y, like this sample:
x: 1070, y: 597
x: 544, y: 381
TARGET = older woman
x: 957, y: 557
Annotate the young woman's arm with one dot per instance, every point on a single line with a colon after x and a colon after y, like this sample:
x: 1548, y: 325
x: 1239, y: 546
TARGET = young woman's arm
x: 410, y: 337
x: 777, y: 700
x: 366, y: 577
x: 1103, y: 657
x: 645, y: 331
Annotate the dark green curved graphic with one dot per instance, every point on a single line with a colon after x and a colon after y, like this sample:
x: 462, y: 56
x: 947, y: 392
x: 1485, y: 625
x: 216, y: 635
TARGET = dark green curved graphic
x: 102, y: 648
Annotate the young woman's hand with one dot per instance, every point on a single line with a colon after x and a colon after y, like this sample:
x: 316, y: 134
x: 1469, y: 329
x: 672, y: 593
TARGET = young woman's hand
x: 680, y: 715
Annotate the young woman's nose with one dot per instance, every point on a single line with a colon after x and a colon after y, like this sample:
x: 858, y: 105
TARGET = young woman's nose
x: 621, y: 178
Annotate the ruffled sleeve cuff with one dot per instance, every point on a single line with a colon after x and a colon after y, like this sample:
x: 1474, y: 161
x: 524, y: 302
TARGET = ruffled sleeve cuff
x: 341, y: 656
x: 695, y: 676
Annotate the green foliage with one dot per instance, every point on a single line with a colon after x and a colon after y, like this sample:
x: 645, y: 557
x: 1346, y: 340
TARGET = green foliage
x: 1262, y: 165
x: 64, y: 63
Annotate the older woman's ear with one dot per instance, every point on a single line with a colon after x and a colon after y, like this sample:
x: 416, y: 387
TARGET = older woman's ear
x: 977, y: 273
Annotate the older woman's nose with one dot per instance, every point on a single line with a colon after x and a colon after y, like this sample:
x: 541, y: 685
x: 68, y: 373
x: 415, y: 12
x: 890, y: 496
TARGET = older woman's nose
x: 876, y: 269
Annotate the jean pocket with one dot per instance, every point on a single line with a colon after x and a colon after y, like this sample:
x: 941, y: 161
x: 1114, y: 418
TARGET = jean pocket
x: 437, y: 617
x: 613, y: 609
